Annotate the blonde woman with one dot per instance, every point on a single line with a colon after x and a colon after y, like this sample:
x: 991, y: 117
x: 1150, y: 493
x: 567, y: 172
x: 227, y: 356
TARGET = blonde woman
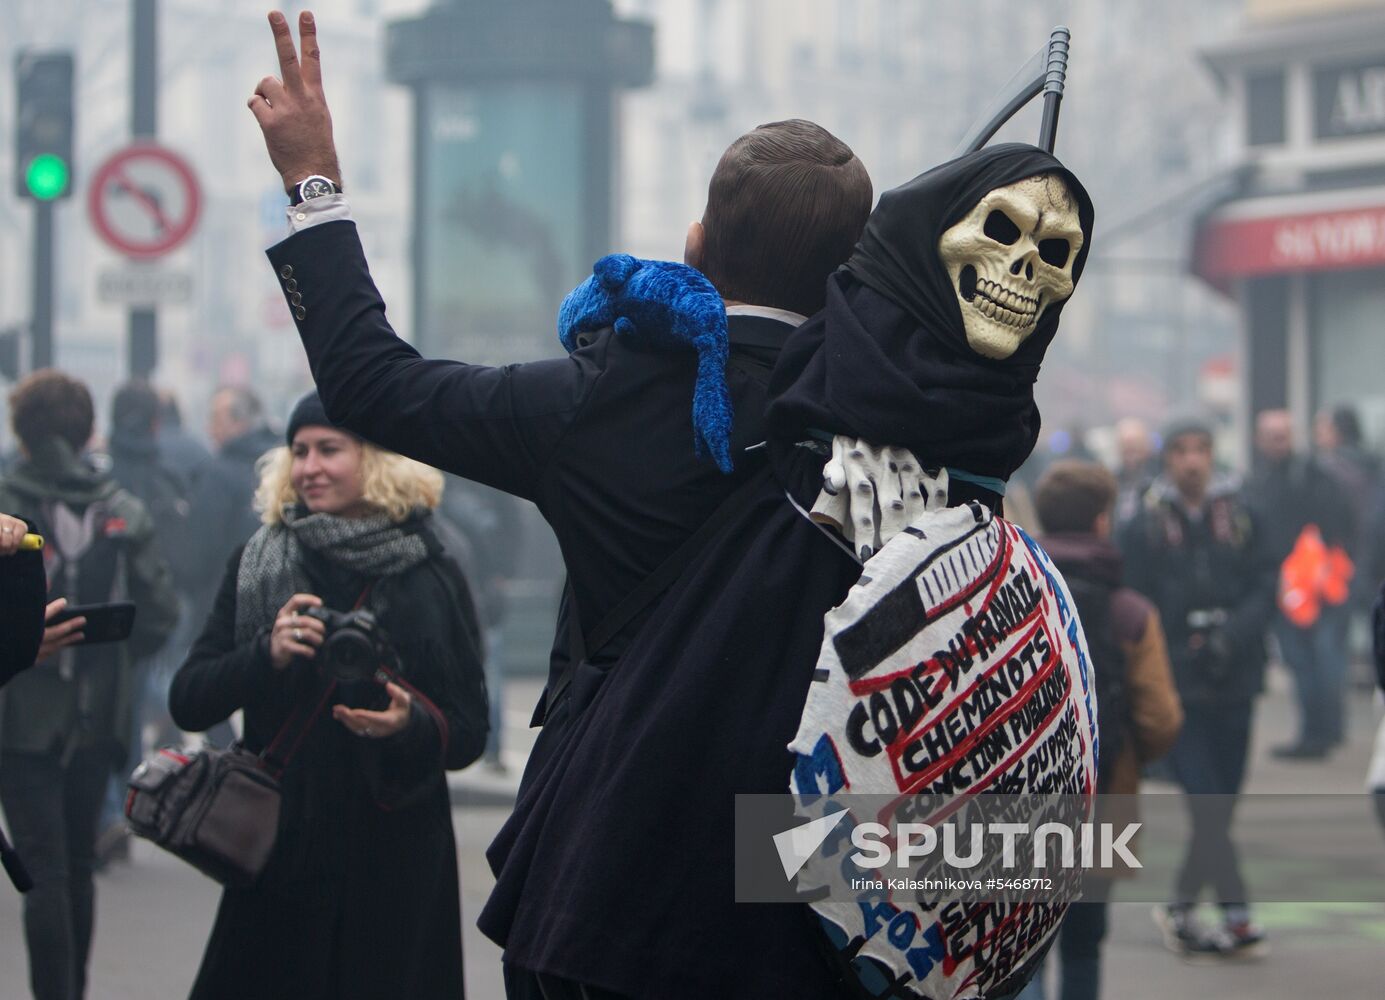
x: 361, y: 896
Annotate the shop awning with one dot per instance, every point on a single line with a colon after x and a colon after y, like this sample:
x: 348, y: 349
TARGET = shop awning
x: 1291, y: 233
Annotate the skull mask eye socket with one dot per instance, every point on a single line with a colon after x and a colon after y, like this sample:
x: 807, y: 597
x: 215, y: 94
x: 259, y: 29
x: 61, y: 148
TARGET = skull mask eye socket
x: 1001, y: 228
x: 1054, y: 252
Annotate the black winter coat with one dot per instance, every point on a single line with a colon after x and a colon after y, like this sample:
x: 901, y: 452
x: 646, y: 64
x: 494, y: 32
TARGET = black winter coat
x: 23, y: 596
x: 1214, y: 576
x: 360, y: 899
x: 630, y: 828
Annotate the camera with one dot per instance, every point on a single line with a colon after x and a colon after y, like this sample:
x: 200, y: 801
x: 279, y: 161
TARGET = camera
x: 355, y: 645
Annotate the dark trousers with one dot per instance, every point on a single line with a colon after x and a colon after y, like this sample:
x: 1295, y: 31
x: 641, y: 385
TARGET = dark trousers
x: 1209, y: 761
x: 1317, y: 657
x: 52, y: 813
x: 1079, y: 947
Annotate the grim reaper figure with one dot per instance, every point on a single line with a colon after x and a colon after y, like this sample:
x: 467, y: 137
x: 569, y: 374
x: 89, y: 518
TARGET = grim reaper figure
x: 616, y: 869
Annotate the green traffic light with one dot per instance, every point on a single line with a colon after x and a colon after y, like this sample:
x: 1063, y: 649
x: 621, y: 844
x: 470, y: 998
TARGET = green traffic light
x: 47, y: 176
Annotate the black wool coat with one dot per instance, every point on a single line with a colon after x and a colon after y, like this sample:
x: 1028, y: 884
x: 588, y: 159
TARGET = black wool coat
x: 23, y: 596
x: 360, y: 899
x: 630, y: 828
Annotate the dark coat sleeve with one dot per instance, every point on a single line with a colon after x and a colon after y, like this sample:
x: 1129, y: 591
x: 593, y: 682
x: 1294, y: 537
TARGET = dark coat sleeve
x: 219, y: 676
x: 497, y: 426
x: 23, y: 594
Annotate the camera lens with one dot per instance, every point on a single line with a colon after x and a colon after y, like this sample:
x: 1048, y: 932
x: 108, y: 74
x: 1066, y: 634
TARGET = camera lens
x: 350, y: 655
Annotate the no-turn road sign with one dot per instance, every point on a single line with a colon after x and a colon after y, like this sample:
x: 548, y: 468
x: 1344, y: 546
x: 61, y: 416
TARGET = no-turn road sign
x: 144, y: 200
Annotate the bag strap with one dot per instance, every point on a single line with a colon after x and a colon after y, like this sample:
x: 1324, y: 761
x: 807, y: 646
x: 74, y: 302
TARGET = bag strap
x: 295, y: 723
x: 648, y: 589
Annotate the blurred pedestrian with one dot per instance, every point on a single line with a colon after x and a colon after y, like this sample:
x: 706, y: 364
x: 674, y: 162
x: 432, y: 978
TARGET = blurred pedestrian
x: 180, y: 450
x: 64, y: 724
x: 1196, y: 551
x: 360, y: 898
x: 221, y: 508
x: 139, y: 467
x: 1137, y: 465
x: 1308, y: 521
x: 1137, y: 704
x: 1342, y: 451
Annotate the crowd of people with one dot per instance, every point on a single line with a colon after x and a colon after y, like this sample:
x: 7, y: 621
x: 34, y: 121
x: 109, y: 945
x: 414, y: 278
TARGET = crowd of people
x: 1180, y: 574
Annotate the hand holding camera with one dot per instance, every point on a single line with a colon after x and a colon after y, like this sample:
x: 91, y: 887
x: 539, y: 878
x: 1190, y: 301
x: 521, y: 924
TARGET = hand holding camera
x: 295, y: 633
x: 351, y: 647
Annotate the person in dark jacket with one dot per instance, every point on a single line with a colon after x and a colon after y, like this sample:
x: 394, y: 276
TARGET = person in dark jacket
x: 710, y: 693
x: 600, y: 440
x: 1197, y: 551
x: 220, y: 508
x: 179, y: 448
x: 360, y: 898
x: 1138, y: 706
x: 23, y: 594
x: 1298, y: 498
x: 139, y: 466
x: 65, y: 723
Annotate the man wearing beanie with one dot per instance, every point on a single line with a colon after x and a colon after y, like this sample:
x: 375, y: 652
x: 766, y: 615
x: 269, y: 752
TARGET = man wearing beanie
x: 1195, y: 550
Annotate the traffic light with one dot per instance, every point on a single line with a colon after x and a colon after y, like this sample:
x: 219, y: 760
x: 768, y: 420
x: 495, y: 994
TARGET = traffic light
x: 44, y: 125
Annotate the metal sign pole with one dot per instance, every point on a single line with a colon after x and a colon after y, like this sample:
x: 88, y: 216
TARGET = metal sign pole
x: 143, y: 341
x: 41, y: 330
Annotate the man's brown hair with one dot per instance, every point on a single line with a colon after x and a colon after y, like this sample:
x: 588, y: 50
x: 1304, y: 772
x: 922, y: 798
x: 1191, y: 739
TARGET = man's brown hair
x: 785, y: 207
x: 50, y: 404
x: 1072, y: 494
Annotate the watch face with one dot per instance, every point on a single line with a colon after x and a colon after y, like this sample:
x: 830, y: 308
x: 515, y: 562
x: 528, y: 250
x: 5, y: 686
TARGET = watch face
x: 315, y: 187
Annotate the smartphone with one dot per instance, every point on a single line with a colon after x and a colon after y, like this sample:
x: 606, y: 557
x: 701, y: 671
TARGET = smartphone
x: 110, y: 622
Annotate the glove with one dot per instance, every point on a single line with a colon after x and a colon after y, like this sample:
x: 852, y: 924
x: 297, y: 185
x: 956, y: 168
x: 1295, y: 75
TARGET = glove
x: 871, y: 494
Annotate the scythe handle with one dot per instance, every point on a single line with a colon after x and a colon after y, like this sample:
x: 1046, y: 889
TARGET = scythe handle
x: 1053, y: 86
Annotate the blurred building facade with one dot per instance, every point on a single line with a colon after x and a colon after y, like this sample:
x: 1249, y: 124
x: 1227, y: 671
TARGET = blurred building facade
x: 899, y: 80
x: 1300, y: 242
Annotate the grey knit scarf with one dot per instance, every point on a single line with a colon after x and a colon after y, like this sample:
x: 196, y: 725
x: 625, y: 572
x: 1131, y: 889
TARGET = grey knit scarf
x: 270, y: 567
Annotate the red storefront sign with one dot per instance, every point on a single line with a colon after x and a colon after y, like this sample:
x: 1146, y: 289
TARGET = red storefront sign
x: 1230, y: 248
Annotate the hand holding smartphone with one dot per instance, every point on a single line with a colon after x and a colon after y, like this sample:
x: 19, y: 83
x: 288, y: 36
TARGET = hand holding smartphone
x: 109, y: 622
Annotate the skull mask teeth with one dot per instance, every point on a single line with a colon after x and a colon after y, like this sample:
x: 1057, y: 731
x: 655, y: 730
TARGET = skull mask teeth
x: 1011, y: 258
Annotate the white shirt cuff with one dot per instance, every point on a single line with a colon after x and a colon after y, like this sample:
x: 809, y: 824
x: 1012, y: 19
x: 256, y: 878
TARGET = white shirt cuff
x: 315, y: 211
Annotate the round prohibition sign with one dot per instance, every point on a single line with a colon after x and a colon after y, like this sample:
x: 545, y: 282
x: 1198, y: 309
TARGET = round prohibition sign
x: 144, y: 200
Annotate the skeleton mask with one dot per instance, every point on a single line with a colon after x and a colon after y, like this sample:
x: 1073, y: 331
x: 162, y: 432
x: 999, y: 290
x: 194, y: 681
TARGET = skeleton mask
x: 1010, y: 259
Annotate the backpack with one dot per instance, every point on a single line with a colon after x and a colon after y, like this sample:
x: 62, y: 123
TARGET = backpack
x: 1109, y: 667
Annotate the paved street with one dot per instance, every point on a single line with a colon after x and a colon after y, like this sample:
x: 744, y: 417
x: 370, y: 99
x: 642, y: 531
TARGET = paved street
x: 154, y: 913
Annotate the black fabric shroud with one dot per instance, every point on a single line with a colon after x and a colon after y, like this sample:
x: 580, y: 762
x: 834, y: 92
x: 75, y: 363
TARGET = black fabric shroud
x: 887, y: 359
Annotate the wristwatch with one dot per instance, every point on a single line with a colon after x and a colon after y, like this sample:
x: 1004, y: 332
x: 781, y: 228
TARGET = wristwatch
x: 312, y: 186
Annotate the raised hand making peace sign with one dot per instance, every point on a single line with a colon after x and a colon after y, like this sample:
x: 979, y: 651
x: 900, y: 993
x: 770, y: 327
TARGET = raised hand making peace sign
x: 291, y: 108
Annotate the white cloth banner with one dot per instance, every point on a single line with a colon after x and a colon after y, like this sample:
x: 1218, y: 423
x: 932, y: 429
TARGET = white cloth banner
x: 956, y: 666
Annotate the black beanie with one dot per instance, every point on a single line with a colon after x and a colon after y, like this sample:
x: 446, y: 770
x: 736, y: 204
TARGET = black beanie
x: 309, y: 412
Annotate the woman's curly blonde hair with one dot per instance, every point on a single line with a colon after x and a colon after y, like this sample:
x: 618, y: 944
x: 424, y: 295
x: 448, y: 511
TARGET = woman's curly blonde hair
x: 394, y: 484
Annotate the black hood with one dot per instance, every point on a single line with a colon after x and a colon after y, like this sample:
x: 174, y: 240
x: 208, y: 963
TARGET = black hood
x: 888, y: 359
